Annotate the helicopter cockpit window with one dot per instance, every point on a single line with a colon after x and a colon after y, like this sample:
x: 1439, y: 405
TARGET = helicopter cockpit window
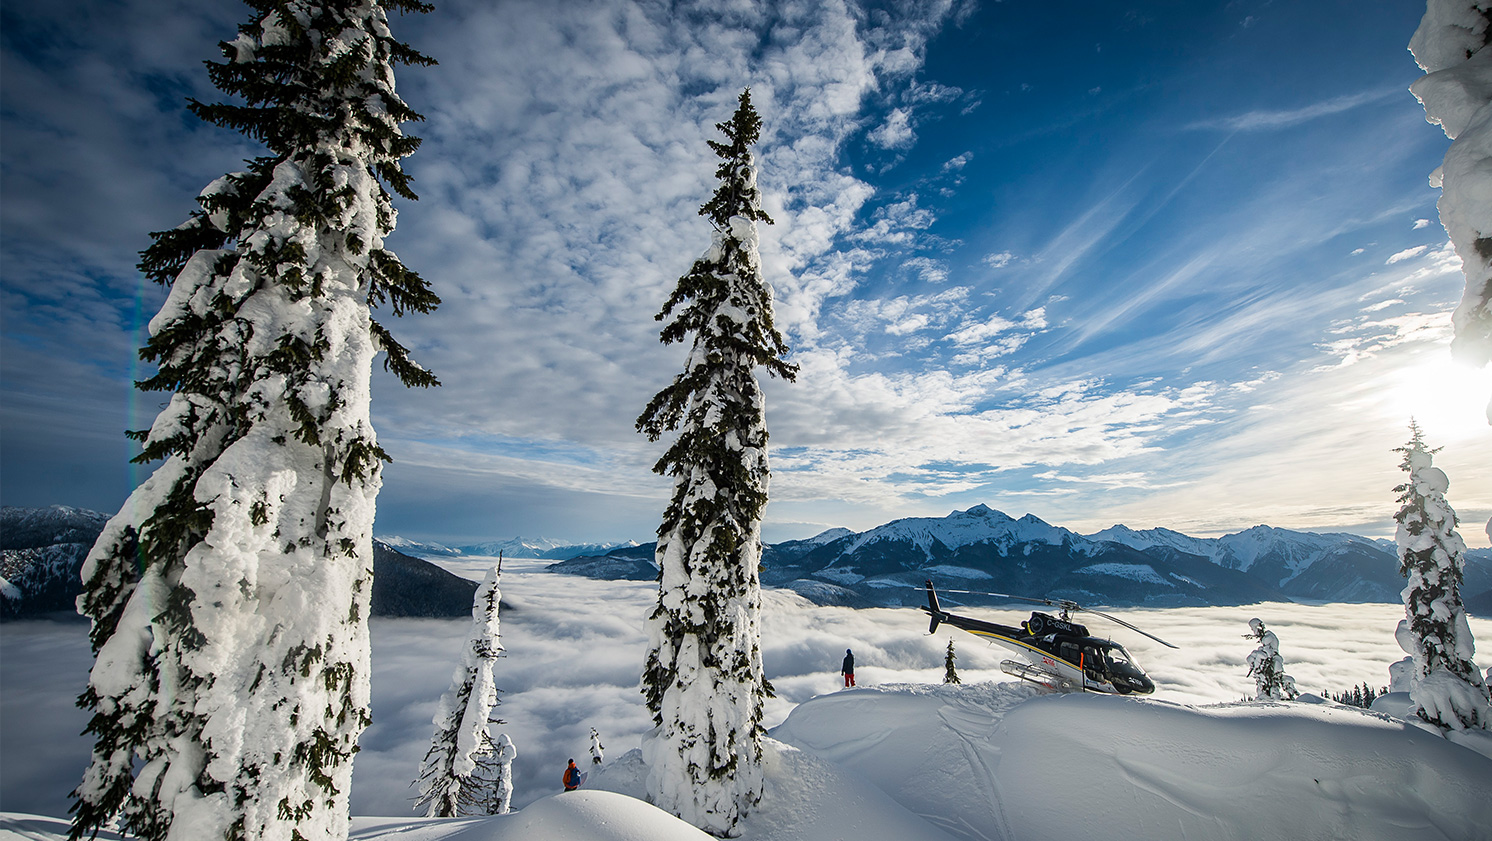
x: 1068, y: 651
x: 1121, y: 659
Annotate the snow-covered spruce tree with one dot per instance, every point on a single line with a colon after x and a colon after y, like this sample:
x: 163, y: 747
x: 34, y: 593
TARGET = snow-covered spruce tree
x: 598, y: 750
x: 1445, y: 687
x: 950, y: 672
x: 1452, y: 46
x: 229, y: 597
x: 703, y: 675
x: 451, y: 784
x: 1267, y: 666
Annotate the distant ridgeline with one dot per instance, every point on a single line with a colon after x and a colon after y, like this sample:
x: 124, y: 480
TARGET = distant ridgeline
x: 983, y: 549
x: 42, y: 552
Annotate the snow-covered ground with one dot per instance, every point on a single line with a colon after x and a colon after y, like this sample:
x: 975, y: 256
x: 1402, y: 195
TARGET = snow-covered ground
x: 1169, y: 763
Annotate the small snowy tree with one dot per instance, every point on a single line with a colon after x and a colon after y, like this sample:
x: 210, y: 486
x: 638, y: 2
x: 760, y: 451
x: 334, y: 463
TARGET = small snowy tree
x: 1445, y: 686
x: 229, y: 597
x: 500, y: 767
x: 1267, y: 666
x: 950, y: 672
x: 452, y: 781
x: 703, y: 677
x: 598, y: 750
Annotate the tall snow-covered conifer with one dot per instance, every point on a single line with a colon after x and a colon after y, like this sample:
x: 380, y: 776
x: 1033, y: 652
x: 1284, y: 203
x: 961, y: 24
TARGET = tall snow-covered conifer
x: 229, y: 596
x: 452, y: 781
x: 1445, y: 686
x: 703, y: 675
x: 1453, y: 45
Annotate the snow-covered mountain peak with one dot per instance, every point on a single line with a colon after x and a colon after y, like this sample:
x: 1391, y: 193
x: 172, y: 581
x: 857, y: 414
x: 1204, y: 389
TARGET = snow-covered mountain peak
x: 1143, y: 539
x: 416, y: 547
x: 1294, y: 549
x: 829, y: 536
x: 23, y: 528
x: 977, y: 525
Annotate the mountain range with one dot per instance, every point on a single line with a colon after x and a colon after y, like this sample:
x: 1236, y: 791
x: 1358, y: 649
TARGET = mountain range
x: 987, y: 551
x: 519, y: 547
x: 42, y: 552
x: 979, y: 550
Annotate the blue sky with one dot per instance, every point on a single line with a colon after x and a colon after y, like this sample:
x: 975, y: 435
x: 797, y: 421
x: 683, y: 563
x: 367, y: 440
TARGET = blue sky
x: 1167, y: 264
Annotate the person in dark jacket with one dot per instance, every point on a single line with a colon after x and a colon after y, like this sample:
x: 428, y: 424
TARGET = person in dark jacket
x: 848, y: 669
x: 572, y: 777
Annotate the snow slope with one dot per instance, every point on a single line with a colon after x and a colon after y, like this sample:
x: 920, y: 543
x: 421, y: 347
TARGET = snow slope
x: 987, y: 764
x: 1009, y: 762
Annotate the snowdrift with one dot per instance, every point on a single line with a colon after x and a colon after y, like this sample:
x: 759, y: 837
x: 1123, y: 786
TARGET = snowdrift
x: 573, y: 816
x: 984, y: 763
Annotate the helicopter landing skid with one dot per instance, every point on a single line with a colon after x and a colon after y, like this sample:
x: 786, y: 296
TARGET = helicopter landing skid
x: 1041, y: 677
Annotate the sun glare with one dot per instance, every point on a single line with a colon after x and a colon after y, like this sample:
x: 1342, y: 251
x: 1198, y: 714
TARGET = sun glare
x: 1448, y: 400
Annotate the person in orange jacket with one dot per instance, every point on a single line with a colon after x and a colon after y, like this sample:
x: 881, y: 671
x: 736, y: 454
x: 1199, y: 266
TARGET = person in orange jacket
x: 572, y: 778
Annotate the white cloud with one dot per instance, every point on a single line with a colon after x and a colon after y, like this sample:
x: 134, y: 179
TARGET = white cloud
x: 931, y: 93
x: 1108, y: 480
x: 927, y: 269
x: 958, y: 162
x: 1373, y: 337
x: 1406, y: 254
x: 973, y: 332
x: 1421, y: 223
x: 904, y: 313
x: 998, y: 260
x: 897, y: 223
x: 896, y: 132
x: 878, y: 438
x: 1268, y: 120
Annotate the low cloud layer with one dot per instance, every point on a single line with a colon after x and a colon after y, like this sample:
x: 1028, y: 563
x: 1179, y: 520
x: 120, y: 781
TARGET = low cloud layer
x: 573, y: 660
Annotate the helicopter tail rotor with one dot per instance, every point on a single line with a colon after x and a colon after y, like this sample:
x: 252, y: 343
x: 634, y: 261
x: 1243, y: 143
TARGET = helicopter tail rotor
x: 934, y: 609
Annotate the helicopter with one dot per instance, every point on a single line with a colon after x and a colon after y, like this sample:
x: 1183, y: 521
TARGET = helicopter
x: 1060, y: 654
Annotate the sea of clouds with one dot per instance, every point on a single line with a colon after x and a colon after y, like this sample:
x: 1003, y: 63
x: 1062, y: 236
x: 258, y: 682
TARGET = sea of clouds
x: 574, y: 649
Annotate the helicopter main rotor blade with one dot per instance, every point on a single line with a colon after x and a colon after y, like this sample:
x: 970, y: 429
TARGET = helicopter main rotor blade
x: 1064, y: 604
x: 1129, y: 626
x: 1047, y: 602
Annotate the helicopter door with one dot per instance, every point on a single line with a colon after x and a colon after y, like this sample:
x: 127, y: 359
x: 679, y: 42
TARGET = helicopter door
x: 1093, y: 662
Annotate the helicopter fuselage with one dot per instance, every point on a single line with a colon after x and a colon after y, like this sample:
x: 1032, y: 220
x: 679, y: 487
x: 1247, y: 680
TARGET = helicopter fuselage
x: 1060, y: 654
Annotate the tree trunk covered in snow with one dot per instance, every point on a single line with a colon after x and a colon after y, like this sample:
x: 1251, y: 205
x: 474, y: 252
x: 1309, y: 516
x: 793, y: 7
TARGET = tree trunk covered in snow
x: 1445, y: 685
x: 229, y: 596
x: 1450, y: 45
x: 703, y: 675
x: 451, y: 782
